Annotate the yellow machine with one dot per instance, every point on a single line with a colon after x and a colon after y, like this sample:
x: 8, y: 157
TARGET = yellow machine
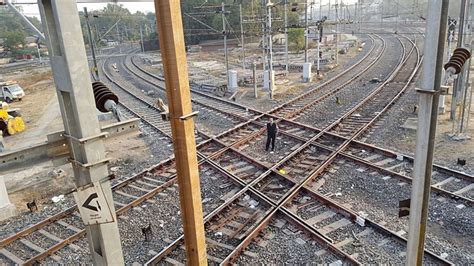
x: 11, y: 121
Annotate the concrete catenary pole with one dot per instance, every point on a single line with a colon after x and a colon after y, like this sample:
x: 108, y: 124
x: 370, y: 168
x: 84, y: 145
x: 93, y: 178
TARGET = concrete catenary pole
x: 467, y: 84
x: 320, y: 9
x: 224, y: 32
x: 337, y: 33
x: 170, y: 27
x: 286, y: 35
x: 254, y: 72
x: 306, y: 33
x: 319, y: 49
x: 270, y: 50
x: 242, y: 36
x: 119, y: 40
x: 447, y: 55
x: 426, y: 130
x: 76, y: 100
x: 91, y: 42
x: 329, y: 10
x: 141, y: 39
x: 458, y: 82
x: 264, y: 36
x: 359, y: 13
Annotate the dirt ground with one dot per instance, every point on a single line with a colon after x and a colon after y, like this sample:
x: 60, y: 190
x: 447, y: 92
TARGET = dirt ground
x: 447, y: 150
x: 40, y: 110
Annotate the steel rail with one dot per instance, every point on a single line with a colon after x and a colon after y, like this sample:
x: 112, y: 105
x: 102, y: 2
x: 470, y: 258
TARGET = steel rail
x: 250, y: 186
x: 196, y: 101
x: 388, y: 104
x: 419, y: 60
x: 294, y: 190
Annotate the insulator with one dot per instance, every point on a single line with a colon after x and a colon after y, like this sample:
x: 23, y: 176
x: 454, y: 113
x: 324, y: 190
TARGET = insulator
x: 102, y: 94
x: 460, y: 55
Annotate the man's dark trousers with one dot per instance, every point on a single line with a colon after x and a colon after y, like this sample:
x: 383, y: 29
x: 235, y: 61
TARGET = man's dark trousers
x: 271, y: 135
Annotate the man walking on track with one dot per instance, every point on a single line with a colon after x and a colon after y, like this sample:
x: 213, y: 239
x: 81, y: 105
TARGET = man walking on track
x: 272, y: 130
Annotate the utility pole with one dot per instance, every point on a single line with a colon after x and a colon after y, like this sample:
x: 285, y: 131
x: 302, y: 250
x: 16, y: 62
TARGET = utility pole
x: 118, y: 37
x: 146, y: 30
x: 126, y: 31
x: 225, y: 42
x: 426, y: 131
x: 141, y: 39
x: 318, y: 51
x: 82, y: 130
x: 170, y: 27
x: 271, y: 75
x: 337, y: 33
x: 242, y: 37
x: 465, y: 81
x: 118, y: 33
x: 343, y: 10
x: 329, y: 10
x: 451, y: 30
x: 306, y: 31
x: 397, y: 3
x: 320, y: 9
x: 359, y: 13
x: 39, y: 53
x: 286, y: 35
x: 254, y: 72
x: 91, y: 42
x: 264, y: 36
x: 457, y: 86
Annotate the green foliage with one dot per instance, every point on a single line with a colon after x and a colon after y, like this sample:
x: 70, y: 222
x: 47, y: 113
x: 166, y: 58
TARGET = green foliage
x: 13, y: 30
x: 31, y: 51
x: 13, y: 40
x: 296, y: 39
x: 128, y: 28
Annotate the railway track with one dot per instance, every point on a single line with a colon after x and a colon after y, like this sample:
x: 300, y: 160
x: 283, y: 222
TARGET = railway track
x: 312, y: 161
x: 309, y: 152
x: 397, y: 94
x: 55, y: 243
x: 249, y: 193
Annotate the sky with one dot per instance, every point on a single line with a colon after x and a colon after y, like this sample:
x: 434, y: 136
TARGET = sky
x: 32, y: 9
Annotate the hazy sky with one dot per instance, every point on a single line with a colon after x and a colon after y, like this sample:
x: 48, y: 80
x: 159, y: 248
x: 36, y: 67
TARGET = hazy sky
x: 32, y: 9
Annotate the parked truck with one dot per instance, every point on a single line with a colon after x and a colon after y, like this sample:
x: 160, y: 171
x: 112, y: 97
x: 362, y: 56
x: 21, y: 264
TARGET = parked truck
x: 10, y: 91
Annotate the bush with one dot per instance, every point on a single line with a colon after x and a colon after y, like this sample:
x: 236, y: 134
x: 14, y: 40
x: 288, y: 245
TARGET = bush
x: 296, y: 39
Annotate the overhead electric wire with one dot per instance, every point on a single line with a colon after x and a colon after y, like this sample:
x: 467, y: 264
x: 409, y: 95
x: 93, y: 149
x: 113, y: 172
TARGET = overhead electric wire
x: 206, y: 25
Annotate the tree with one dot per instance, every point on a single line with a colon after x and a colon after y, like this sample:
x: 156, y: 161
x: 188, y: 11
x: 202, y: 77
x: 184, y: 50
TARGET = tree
x: 13, y: 30
x: 13, y: 39
x: 296, y: 39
